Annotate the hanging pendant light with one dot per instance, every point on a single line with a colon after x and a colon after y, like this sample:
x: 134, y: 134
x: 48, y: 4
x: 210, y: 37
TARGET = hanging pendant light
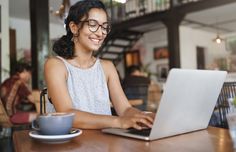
x: 62, y: 12
x: 218, y: 39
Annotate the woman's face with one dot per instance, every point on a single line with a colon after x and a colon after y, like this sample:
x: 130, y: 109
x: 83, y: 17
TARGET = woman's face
x: 93, y: 33
x: 25, y: 76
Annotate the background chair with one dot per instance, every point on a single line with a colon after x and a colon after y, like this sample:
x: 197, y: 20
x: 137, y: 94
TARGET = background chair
x: 154, y: 96
x: 227, y: 94
x: 43, y: 94
x: 43, y: 100
x: 7, y: 128
x: 137, y: 92
x: 4, y: 118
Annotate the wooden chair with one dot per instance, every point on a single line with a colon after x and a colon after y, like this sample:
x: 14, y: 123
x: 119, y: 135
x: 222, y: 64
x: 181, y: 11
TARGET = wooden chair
x: 154, y: 97
x: 43, y: 100
x: 43, y: 94
x: 4, y: 118
x: 6, y: 124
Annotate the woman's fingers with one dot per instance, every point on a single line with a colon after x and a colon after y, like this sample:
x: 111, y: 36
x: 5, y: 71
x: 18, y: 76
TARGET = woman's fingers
x: 145, y: 116
x: 143, y: 122
x: 151, y: 114
x: 146, y: 123
x: 138, y: 121
x: 136, y: 126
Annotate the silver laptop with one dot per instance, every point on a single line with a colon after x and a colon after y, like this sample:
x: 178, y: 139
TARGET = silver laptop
x: 186, y: 105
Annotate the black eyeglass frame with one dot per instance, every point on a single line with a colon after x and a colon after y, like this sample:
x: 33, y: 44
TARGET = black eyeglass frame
x: 107, y: 29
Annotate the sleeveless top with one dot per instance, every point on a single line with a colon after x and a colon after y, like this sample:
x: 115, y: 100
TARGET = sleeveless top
x: 87, y: 88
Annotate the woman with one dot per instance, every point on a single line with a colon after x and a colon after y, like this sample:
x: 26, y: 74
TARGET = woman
x: 80, y: 83
x: 17, y: 97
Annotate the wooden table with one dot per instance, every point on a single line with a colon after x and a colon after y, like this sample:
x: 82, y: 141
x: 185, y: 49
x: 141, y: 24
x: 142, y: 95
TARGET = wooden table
x: 210, y: 140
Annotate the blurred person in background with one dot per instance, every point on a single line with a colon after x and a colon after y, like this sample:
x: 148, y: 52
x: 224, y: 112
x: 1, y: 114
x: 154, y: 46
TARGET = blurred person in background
x: 17, y: 97
x: 135, y: 76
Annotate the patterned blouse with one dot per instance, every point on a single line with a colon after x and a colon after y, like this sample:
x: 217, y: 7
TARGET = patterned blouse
x: 13, y: 92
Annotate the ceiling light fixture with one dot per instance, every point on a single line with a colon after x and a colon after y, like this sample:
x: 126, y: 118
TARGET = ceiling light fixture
x: 218, y: 39
x: 63, y: 10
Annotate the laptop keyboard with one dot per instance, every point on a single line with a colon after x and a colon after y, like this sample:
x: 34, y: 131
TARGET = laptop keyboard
x: 143, y: 132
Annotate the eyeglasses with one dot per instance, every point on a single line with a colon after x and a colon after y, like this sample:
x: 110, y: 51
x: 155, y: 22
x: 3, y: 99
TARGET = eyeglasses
x: 93, y: 26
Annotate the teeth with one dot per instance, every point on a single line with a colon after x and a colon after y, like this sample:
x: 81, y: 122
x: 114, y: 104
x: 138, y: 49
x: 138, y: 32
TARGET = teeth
x: 95, y: 40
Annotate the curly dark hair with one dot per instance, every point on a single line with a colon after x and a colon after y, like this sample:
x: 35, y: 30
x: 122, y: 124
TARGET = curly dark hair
x: 64, y: 47
x: 20, y: 67
x: 133, y: 68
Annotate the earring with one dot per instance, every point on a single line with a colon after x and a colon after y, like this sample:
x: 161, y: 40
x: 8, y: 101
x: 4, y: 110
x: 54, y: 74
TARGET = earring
x: 76, y: 35
x: 74, y: 38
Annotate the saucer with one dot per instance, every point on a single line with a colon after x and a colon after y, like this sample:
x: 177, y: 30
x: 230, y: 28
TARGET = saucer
x: 55, y: 138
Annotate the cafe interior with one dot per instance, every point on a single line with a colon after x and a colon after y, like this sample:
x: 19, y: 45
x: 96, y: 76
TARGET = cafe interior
x: 155, y: 35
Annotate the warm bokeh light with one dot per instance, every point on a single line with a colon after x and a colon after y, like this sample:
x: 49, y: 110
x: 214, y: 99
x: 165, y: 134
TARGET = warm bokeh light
x: 218, y: 39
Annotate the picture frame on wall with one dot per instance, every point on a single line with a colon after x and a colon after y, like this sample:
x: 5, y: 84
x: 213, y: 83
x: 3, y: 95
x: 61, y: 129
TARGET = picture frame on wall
x: 160, y: 53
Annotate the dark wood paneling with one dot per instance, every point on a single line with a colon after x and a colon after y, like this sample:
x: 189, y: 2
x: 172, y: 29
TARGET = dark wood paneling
x: 13, y: 59
x: 200, y: 57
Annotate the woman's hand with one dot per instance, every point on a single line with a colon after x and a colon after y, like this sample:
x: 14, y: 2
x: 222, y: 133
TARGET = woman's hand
x: 138, y: 120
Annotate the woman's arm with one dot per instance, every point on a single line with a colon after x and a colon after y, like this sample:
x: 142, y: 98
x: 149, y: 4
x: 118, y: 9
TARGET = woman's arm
x: 129, y: 116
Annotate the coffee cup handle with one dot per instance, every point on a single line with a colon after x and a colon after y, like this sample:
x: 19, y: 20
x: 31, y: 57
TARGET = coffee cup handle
x: 35, y: 125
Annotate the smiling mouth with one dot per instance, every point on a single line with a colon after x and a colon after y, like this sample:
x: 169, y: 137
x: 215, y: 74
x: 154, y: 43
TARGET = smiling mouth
x: 96, y: 41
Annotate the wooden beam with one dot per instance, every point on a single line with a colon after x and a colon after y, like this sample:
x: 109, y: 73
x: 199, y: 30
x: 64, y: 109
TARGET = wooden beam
x: 214, y: 26
x: 118, y: 45
x: 182, y: 10
x: 141, y: 20
x: 125, y: 38
x: 39, y: 22
x: 114, y: 52
x: 172, y: 23
x: 201, y: 5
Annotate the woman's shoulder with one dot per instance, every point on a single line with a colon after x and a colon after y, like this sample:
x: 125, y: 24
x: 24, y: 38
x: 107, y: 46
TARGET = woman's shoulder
x: 108, y: 66
x: 54, y: 63
x: 53, y: 60
x: 106, y: 63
